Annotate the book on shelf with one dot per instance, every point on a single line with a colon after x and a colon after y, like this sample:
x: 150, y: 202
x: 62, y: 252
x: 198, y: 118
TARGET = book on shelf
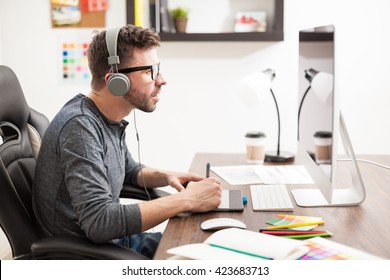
x: 157, y: 16
x: 153, y: 15
x: 166, y: 21
x: 143, y: 15
x: 138, y: 13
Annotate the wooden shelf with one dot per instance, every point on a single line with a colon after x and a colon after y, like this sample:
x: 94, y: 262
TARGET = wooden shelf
x: 276, y: 33
x: 247, y: 36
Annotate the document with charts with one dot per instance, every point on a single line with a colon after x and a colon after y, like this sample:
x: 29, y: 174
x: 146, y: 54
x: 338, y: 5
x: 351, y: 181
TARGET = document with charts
x: 263, y: 174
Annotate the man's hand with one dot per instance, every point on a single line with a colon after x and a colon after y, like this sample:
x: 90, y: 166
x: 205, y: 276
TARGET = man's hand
x: 204, y: 195
x: 179, y: 181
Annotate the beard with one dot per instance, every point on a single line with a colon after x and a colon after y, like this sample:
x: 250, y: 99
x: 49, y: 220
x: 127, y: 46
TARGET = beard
x: 142, y: 100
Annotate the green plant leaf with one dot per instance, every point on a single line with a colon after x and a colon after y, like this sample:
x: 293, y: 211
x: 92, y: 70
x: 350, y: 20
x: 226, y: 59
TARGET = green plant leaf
x: 179, y: 12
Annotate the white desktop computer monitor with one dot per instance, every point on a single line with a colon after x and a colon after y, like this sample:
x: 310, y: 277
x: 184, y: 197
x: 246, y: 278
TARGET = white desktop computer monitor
x: 320, y: 123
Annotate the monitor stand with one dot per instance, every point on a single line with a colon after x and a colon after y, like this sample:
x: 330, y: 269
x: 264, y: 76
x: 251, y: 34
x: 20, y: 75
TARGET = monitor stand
x: 353, y: 195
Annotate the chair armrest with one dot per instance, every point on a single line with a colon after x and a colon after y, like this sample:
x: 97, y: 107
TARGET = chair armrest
x: 60, y: 247
x: 129, y: 191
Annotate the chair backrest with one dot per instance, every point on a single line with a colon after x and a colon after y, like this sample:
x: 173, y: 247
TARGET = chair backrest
x: 21, y: 129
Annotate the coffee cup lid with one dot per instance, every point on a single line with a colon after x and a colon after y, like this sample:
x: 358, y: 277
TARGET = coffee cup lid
x: 254, y: 134
x: 323, y: 134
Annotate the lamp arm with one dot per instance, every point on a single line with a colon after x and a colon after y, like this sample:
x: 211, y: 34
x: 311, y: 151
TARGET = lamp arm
x: 300, y: 107
x: 277, y: 111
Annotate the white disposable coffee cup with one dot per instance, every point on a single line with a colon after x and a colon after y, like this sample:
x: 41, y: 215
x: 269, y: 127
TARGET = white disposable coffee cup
x: 323, y: 146
x: 255, y: 143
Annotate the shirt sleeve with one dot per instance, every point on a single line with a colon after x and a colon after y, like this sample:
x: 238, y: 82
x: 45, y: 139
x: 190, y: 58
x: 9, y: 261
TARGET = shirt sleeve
x: 100, y: 215
x: 132, y: 169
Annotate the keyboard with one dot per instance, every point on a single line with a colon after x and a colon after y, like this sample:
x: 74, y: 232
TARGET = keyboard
x: 270, y: 198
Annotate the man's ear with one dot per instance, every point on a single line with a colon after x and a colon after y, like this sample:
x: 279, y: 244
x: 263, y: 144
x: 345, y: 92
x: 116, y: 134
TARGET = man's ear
x: 107, y: 76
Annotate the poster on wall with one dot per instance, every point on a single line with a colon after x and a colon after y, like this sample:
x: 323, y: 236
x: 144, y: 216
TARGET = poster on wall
x: 78, y: 13
x: 73, y: 59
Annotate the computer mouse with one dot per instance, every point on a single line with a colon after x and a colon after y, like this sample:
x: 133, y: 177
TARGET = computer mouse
x: 221, y: 223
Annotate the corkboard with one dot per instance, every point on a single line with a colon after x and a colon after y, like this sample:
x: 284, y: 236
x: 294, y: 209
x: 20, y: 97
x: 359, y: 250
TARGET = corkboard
x: 88, y: 19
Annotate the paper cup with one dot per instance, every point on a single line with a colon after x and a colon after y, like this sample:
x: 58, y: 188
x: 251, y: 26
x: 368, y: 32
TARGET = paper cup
x: 255, y: 143
x: 323, y: 146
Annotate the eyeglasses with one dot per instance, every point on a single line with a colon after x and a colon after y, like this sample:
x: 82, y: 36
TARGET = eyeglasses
x: 154, y: 70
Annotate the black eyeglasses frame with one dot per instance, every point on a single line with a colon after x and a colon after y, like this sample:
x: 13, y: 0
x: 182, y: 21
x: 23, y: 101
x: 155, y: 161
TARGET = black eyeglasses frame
x: 140, y: 68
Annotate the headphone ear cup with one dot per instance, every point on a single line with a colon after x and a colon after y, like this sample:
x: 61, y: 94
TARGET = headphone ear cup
x: 118, y: 84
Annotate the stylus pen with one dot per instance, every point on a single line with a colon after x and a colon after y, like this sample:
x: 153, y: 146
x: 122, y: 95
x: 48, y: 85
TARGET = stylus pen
x: 207, y: 170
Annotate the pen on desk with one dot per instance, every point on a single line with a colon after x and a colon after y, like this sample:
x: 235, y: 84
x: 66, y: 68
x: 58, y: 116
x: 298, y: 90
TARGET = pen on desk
x: 297, y: 225
x: 291, y: 231
x: 207, y: 170
x: 304, y: 236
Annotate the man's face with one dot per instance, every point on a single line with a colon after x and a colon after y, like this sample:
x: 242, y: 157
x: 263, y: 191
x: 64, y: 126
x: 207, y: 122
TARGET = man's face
x: 144, y: 91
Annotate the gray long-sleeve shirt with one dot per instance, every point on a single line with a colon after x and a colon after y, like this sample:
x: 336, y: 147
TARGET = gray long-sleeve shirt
x: 81, y: 168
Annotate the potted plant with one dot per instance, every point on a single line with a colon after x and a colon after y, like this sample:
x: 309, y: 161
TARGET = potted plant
x: 180, y: 18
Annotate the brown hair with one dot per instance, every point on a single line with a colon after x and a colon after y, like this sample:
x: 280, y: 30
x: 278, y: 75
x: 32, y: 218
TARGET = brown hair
x: 129, y: 38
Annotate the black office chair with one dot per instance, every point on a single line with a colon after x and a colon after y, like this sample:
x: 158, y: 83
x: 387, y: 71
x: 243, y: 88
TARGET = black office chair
x: 21, y: 130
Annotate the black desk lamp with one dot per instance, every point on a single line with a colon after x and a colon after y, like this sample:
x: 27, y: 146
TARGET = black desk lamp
x: 251, y: 88
x: 321, y: 83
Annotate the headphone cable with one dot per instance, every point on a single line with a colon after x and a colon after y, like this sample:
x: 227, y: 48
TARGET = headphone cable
x: 139, y: 156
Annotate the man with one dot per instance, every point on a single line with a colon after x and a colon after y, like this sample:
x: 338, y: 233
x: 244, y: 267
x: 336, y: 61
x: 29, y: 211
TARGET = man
x: 84, y: 161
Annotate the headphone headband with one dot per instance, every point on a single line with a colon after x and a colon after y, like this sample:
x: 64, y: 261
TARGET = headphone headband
x: 111, y: 42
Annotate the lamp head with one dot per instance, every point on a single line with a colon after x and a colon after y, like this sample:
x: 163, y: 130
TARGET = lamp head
x: 321, y: 84
x: 270, y: 73
x: 310, y: 74
x: 252, y: 88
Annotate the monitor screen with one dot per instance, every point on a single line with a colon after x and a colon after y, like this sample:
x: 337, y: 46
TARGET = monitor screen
x: 315, y: 95
x: 320, y: 123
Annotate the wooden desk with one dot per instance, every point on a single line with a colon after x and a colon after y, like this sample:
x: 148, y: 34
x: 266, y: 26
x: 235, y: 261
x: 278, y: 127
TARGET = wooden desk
x: 365, y: 227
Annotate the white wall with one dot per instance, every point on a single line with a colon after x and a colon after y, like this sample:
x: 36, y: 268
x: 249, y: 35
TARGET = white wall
x: 198, y: 111
x: 201, y: 114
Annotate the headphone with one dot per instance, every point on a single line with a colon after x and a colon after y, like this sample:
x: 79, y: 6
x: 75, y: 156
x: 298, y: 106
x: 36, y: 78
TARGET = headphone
x: 118, y: 84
